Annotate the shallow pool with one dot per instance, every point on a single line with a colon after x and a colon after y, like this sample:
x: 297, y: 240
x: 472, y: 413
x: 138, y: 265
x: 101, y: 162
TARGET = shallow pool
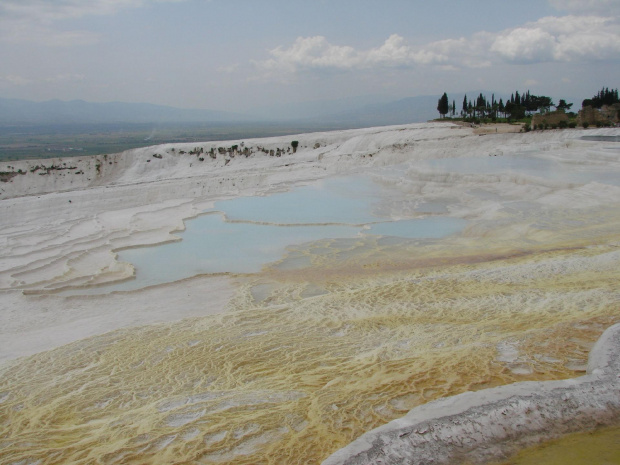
x: 211, y: 245
x: 242, y: 235
x: 351, y: 200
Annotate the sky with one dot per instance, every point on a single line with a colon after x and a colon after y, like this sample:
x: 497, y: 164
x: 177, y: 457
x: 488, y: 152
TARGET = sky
x: 239, y: 55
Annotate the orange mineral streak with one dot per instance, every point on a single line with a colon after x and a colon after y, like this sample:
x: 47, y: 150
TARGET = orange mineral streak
x: 309, y: 357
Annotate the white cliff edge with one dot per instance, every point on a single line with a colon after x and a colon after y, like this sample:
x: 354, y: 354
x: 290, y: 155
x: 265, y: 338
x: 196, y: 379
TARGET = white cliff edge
x: 478, y: 427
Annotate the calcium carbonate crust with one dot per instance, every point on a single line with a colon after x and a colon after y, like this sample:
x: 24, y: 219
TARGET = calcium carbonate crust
x: 488, y: 425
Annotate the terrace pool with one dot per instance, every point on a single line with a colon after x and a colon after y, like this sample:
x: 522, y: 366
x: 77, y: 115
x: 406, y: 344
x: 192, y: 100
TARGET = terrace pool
x: 242, y: 235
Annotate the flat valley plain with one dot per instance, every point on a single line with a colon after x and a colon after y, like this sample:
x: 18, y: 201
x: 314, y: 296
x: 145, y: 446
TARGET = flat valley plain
x: 20, y: 142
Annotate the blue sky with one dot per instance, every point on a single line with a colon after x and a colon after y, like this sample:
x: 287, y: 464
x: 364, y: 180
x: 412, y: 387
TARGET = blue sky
x: 242, y: 54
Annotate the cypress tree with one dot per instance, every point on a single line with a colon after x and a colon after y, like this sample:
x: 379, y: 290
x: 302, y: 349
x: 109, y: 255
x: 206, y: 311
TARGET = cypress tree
x: 443, y: 105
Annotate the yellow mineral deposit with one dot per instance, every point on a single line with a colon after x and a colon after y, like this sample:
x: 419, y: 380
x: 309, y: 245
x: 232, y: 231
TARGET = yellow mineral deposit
x: 291, y: 379
x: 592, y: 447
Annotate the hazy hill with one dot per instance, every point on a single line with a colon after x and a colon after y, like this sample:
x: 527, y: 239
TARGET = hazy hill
x: 363, y: 111
x: 352, y: 112
x: 407, y: 110
x: 313, y: 108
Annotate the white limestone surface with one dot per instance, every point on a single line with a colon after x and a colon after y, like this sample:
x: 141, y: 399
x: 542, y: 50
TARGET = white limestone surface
x: 64, y: 219
x: 63, y: 222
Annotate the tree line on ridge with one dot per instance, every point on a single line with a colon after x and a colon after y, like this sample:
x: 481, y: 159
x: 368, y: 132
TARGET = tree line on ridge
x: 518, y: 106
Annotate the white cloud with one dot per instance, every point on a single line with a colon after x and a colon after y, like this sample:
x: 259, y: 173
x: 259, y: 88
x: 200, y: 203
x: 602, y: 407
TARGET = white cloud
x: 550, y: 39
x: 311, y: 52
x: 569, y: 38
x: 317, y: 53
x: 15, y: 80
x: 394, y: 52
x: 524, y: 45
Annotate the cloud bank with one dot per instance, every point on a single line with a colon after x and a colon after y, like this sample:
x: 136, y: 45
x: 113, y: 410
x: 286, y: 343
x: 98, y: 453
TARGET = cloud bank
x: 550, y: 39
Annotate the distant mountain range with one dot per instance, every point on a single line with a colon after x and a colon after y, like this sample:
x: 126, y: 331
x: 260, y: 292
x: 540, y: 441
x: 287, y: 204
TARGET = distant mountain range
x: 13, y: 111
x: 346, y: 112
x: 407, y: 110
x: 362, y: 111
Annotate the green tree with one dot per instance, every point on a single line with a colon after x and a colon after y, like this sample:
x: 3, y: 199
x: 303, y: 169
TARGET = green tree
x: 443, y: 105
x: 515, y: 111
x: 295, y: 144
x: 545, y: 103
x: 604, y: 97
x: 481, y: 105
x: 563, y: 105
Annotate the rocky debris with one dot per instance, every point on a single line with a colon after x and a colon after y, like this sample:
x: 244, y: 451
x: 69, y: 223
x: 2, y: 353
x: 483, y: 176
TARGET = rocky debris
x: 6, y: 176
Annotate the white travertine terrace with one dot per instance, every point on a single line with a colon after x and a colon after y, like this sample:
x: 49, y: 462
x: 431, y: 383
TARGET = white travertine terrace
x: 294, y: 362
